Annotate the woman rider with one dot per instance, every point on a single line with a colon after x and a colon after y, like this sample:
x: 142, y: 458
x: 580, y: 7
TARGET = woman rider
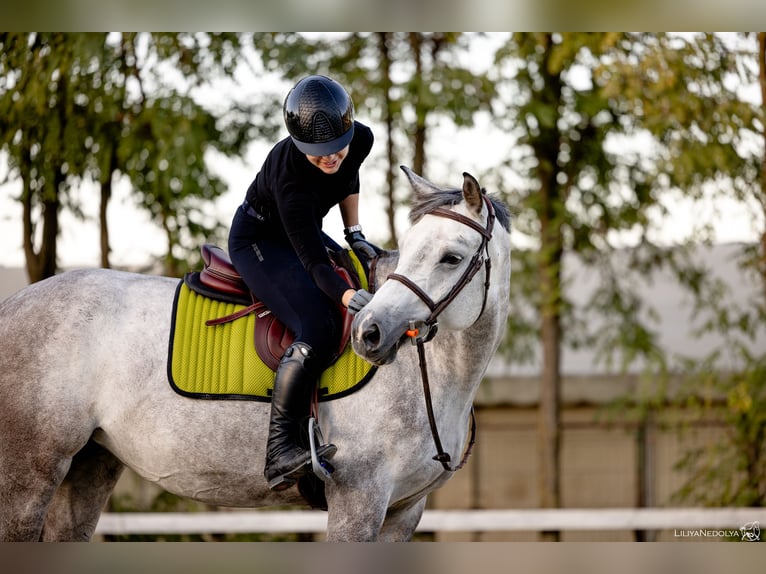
x: 277, y: 244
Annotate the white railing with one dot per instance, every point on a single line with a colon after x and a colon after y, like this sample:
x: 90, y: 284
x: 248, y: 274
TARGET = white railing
x: 687, y: 519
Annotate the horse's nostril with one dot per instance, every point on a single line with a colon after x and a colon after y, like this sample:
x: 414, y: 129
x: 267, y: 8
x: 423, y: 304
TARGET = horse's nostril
x: 371, y: 336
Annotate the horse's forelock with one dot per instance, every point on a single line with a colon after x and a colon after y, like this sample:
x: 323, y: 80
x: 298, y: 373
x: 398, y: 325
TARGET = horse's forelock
x: 450, y: 197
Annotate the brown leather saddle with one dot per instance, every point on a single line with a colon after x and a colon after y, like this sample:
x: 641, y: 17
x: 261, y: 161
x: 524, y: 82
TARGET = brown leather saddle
x: 220, y: 280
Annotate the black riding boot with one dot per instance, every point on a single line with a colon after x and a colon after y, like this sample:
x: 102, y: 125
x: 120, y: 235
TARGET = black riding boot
x: 294, y: 384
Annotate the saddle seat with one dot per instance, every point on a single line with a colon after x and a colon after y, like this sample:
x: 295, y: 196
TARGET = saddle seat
x: 272, y: 338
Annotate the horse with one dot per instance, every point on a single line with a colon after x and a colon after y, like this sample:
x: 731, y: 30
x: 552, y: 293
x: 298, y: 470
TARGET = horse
x: 84, y: 390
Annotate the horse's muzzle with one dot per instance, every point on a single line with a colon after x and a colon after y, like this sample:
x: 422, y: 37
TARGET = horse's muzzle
x: 369, y: 341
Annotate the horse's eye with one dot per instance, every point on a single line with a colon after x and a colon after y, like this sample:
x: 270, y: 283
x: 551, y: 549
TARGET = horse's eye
x: 451, y: 259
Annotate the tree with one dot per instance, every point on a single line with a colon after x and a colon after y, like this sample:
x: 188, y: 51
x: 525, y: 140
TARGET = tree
x: 168, y: 132
x: 577, y: 101
x: 732, y: 470
x: 90, y: 107
x: 40, y: 129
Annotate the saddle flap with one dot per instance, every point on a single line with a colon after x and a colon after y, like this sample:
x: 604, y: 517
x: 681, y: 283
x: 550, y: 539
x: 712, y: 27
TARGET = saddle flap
x: 271, y: 340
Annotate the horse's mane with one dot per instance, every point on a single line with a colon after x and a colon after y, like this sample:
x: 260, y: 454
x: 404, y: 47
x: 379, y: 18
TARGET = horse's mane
x: 451, y: 197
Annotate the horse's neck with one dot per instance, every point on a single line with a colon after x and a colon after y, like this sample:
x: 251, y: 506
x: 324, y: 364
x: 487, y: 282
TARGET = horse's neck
x: 465, y: 354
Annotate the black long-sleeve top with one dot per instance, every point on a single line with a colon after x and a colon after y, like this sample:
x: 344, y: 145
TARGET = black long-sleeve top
x: 294, y: 196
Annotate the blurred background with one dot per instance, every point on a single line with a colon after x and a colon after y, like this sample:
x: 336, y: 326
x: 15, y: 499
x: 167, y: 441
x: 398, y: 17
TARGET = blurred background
x: 634, y: 368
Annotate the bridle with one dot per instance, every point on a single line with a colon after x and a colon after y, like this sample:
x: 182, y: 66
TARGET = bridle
x: 480, y: 259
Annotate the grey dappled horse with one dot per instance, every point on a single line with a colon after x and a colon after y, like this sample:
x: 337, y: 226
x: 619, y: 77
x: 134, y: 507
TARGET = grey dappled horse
x: 84, y: 389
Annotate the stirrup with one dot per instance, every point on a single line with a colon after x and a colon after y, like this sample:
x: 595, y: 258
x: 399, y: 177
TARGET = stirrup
x: 289, y: 478
x: 320, y: 463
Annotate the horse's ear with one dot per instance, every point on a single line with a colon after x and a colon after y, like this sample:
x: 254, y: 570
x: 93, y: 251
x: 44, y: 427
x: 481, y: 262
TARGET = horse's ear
x: 421, y: 186
x: 472, y: 193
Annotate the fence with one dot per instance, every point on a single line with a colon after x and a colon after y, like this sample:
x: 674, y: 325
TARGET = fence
x: 691, y: 520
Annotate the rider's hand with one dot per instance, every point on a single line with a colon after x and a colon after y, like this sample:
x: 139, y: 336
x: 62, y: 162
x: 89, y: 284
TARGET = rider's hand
x: 359, y: 300
x: 364, y: 250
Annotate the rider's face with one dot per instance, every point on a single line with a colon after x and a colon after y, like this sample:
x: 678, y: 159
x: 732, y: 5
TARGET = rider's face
x: 329, y: 164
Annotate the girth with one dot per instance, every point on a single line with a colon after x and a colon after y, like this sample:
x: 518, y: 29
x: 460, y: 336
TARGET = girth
x: 481, y: 257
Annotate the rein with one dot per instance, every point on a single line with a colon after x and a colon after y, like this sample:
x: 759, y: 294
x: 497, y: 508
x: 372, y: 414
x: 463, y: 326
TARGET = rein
x: 480, y: 258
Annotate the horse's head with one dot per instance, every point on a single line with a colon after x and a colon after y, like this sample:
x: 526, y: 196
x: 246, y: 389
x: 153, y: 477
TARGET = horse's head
x: 453, y: 266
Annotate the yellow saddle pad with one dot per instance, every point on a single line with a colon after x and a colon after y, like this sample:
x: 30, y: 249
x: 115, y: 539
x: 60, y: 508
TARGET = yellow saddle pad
x: 220, y: 361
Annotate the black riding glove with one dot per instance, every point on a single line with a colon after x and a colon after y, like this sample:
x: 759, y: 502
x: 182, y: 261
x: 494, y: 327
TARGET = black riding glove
x: 364, y: 250
x: 359, y: 300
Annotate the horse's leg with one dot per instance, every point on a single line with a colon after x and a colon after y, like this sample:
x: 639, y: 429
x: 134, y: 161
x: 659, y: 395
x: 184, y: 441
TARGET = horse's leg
x: 355, y: 512
x: 77, y: 504
x: 28, y: 481
x: 360, y: 515
x: 401, y: 521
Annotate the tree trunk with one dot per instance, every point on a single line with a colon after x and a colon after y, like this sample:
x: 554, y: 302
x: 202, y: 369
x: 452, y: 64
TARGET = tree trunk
x: 171, y: 264
x: 106, y: 196
x: 34, y: 272
x: 419, y: 142
x: 646, y: 469
x: 385, y: 64
x: 106, y: 193
x: 41, y: 263
x: 546, y: 146
x: 549, y: 433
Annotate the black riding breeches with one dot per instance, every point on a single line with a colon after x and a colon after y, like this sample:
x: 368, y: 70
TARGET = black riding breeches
x: 274, y: 273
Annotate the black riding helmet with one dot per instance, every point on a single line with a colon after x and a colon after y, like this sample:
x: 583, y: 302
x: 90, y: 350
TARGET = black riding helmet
x: 319, y: 115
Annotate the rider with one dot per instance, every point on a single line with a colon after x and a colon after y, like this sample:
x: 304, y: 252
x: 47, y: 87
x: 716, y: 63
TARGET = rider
x: 277, y: 244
